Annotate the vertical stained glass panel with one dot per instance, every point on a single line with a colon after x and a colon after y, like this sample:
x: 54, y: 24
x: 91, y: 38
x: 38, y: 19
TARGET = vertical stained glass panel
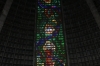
x: 50, y: 50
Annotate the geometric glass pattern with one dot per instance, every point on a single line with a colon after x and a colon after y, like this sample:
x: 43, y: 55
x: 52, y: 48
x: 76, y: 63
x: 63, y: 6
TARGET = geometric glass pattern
x: 50, y: 44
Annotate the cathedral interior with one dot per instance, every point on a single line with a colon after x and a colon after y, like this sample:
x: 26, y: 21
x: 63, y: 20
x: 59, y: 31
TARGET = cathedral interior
x: 49, y: 32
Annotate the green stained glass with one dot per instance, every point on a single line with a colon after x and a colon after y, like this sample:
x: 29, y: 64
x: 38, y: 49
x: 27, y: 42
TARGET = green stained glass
x: 50, y: 43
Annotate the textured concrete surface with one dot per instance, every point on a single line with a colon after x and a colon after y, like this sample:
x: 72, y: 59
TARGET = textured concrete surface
x: 5, y: 12
x: 94, y: 11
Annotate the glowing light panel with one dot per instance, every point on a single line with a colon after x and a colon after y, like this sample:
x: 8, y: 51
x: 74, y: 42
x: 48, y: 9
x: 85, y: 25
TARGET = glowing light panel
x: 50, y: 50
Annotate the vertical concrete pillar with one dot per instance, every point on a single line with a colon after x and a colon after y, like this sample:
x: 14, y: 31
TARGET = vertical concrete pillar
x: 5, y: 12
x: 94, y: 11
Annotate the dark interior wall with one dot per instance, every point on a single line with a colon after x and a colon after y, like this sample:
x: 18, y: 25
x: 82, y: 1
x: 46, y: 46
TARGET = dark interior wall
x: 17, y: 34
x: 2, y: 3
x: 83, y: 34
x: 97, y: 4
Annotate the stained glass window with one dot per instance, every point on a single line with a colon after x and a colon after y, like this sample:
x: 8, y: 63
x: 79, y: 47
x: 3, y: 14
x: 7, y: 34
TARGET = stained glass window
x: 50, y: 44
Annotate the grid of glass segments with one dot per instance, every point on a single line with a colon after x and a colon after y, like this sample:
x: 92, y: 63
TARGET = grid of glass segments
x: 50, y: 39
